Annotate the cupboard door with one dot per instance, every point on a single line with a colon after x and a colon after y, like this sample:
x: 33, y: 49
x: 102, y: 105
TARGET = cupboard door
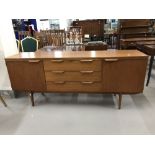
x: 124, y: 75
x: 26, y: 75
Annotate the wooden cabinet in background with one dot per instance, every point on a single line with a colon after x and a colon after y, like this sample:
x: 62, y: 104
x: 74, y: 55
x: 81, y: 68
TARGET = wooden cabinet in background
x: 132, y: 31
x: 95, y: 28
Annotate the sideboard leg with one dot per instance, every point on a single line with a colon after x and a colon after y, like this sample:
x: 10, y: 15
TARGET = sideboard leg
x: 120, y: 101
x: 32, y: 98
x: 43, y: 94
x: 3, y: 101
x: 150, y: 69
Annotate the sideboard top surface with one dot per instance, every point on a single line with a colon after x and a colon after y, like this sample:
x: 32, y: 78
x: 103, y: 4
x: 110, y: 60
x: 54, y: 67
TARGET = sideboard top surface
x: 41, y: 54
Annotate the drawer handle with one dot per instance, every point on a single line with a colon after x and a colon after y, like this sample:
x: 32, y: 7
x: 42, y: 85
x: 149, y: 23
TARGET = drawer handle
x: 58, y: 72
x: 59, y: 82
x: 57, y: 60
x: 111, y: 60
x: 83, y: 72
x: 87, y: 82
x: 85, y: 60
x: 33, y: 61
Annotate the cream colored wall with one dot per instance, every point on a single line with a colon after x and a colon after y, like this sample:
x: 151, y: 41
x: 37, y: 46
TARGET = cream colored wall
x: 7, y: 47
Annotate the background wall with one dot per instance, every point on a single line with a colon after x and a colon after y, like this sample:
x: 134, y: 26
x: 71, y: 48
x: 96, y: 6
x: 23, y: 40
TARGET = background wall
x: 7, y: 47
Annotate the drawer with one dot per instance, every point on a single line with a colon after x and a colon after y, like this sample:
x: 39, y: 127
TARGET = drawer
x: 85, y: 86
x: 72, y: 65
x: 73, y: 76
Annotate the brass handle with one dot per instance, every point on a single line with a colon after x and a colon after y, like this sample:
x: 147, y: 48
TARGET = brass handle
x: 34, y: 61
x: 87, y: 82
x: 111, y: 60
x: 59, y: 82
x: 85, y: 60
x: 57, y: 60
x: 59, y: 72
x: 86, y: 71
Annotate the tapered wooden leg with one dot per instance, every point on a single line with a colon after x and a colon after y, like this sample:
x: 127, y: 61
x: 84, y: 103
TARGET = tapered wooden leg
x: 150, y: 69
x: 120, y: 101
x: 32, y: 98
x: 43, y: 94
x: 3, y: 101
x: 15, y: 94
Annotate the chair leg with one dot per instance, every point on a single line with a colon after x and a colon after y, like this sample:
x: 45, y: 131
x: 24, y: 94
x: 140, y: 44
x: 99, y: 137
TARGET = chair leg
x: 3, y: 101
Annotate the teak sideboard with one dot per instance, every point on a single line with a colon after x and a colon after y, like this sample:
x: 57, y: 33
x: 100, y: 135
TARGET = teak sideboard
x: 115, y: 71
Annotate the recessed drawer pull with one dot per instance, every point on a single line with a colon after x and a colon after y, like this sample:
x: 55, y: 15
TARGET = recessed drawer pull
x: 87, y: 82
x: 59, y: 82
x: 111, y: 60
x: 57, y: 60
x: 33, y: 61
x: 58, y: 72
x: 86, y: 72
x: 85, y: 60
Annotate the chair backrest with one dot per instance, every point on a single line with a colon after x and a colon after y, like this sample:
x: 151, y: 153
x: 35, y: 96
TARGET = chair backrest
x: 29, y: 44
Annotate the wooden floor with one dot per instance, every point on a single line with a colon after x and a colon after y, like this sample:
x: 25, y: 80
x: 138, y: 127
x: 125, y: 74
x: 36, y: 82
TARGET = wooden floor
x: 80, y: 114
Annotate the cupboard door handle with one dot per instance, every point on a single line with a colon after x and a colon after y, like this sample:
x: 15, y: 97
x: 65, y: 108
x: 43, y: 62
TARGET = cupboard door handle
x: 87, y: 82
x: 59, y: 82
x: 111, y: 60
x: 33, y: 61
x: 57, y: 60
x: 83, y: 72
x: 58, y: 72
x: 85, y: 60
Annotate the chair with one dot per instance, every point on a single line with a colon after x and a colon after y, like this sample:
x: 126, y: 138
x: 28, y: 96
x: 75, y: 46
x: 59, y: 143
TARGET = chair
x: 3, y: 101
x: 29, y: 44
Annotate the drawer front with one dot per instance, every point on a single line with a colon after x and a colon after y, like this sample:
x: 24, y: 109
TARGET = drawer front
x: 85, y: 86
x: 73, y: 76
x: 72, y: 65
